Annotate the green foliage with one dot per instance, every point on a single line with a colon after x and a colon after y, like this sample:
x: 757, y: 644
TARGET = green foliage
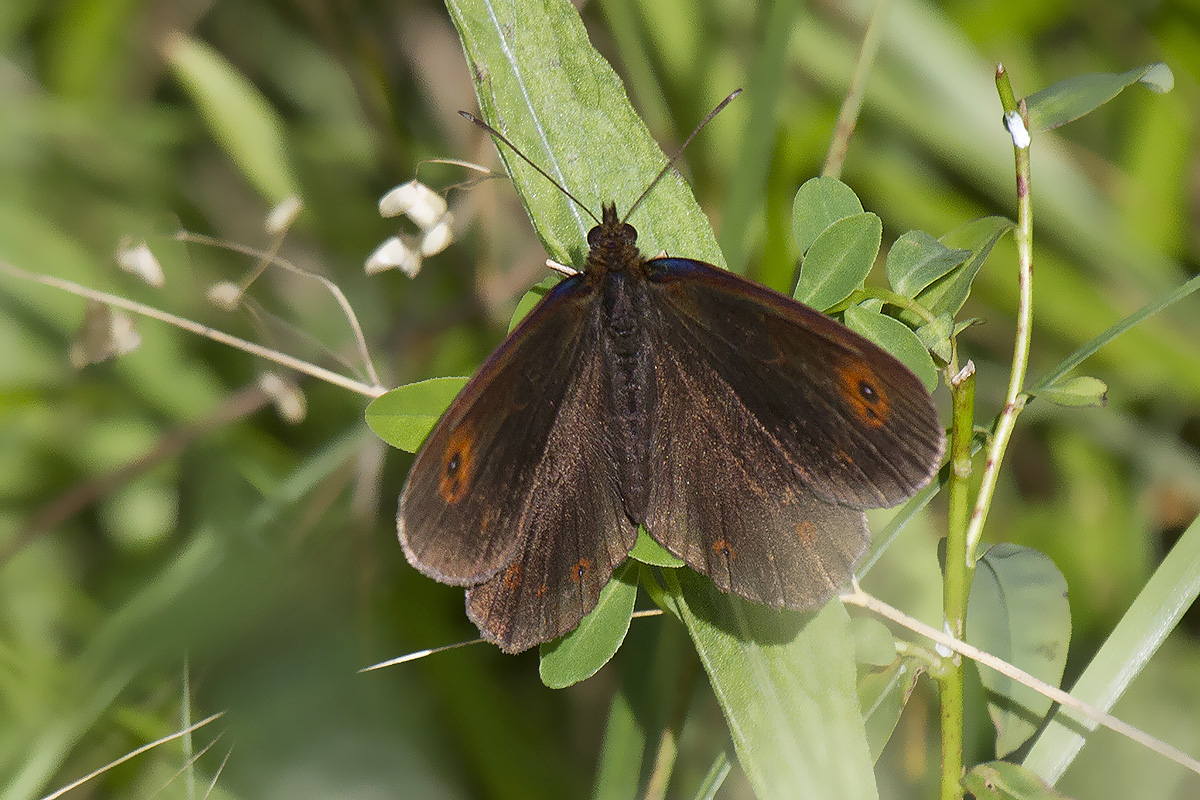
x: 404, y: 416
x: 580, y: 654
x: 153, y: 512
x: 838, y: 260
x: 1018, y: 611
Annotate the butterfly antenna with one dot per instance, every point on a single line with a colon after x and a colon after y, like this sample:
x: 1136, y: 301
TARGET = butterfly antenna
x: 472, y: 118
x: 671, y: 161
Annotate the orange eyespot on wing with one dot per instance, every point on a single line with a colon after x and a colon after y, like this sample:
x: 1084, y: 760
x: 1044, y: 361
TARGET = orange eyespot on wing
x: 580, y: 570
x: 863, y: 392
x: 458, y: 465
x: 724, y: 548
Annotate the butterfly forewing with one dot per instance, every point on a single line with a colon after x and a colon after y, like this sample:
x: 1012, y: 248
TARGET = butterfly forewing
x: 470, y: 499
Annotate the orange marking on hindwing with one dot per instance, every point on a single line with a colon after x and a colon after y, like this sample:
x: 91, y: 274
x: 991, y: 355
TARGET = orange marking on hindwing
x: 458, y: 465
x: 541, y: 590
x: 807, y: 532
x: 512, y: 576
x: 724, y: 548
x: 863, y: 392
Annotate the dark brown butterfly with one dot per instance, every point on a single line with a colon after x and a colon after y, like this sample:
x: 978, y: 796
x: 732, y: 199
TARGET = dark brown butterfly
x: 745, y: 430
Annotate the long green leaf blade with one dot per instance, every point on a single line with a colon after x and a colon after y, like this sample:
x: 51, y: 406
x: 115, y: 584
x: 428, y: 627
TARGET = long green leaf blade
x: 1155, y: 612
x: 785, y: 682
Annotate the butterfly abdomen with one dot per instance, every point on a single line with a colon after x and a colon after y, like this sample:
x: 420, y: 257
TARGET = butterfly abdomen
x: 629, y: 384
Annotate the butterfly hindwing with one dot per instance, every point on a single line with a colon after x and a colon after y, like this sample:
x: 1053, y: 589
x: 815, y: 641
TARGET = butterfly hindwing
x: 577, y: 534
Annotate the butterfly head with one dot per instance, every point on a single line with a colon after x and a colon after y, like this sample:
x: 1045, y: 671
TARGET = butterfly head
x: 612, y: 245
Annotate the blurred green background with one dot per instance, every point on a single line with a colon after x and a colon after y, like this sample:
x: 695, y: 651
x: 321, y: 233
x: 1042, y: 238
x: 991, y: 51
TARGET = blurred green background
x: 170, y: 547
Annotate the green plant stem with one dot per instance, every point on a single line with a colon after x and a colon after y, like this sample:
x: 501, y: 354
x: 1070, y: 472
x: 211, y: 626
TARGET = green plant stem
x: 283, y: 359
x: 1014, y: 400
x: 956, y: 585
x: 852, y: 103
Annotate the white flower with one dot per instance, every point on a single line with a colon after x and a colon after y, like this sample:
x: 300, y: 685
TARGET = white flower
x: 225, y: 295
x: 281, y: 217
x: 415, y: 200
x: 286, y: 396
x: 137, y: 259
x: 394, y: 253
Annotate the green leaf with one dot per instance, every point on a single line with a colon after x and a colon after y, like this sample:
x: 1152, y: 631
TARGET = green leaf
x: 947, y: 294
x: 240, y: 118
x: 917, y: 259
x: 969, y: 322
x: 1155, y: 612
x: 1083, y: 353
x: 621, y: 751
x: 404, y: 416
x: 541, y: 83
x: 714, y: 778
x: 873, y: 642
x: 936, y: 336
x: 838, y: 260
x: 785, y: 682
x: 1070, y: 99
x: 580, y: 654
x: 898, y: 339
x: 819, y: 203
x: 648, y: 551
x: 769, y: 71
x: 882, y: 694
x: 531, y: 298
x: 1079, y: 391
x: 1018, y: 611
x: 1001, y: 780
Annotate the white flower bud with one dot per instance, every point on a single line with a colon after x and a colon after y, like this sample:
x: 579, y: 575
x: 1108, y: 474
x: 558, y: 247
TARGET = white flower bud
x: 415, y: 200
x: 137, y: 259
x: 225, y: 295
x: 281, y: 217
x: 392, y: 254
x: 438, y: 238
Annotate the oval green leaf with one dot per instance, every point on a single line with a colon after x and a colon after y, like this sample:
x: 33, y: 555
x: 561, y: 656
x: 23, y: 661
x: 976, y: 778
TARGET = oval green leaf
x: 1001, y: 780
x: 581, y: 653
x: 819, y: 203
x: 947, y: 294
x: 897, y: 338
x: 1077, y: 392
x: 404, y: 416
x: 883, y: 693
x: 838, y: 260
x: 1070, y: 99
x: 650, y: 552
x: 1018, y: 611
x: 936, y: 336
x: 873, y: 642
x: 917, y: 259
